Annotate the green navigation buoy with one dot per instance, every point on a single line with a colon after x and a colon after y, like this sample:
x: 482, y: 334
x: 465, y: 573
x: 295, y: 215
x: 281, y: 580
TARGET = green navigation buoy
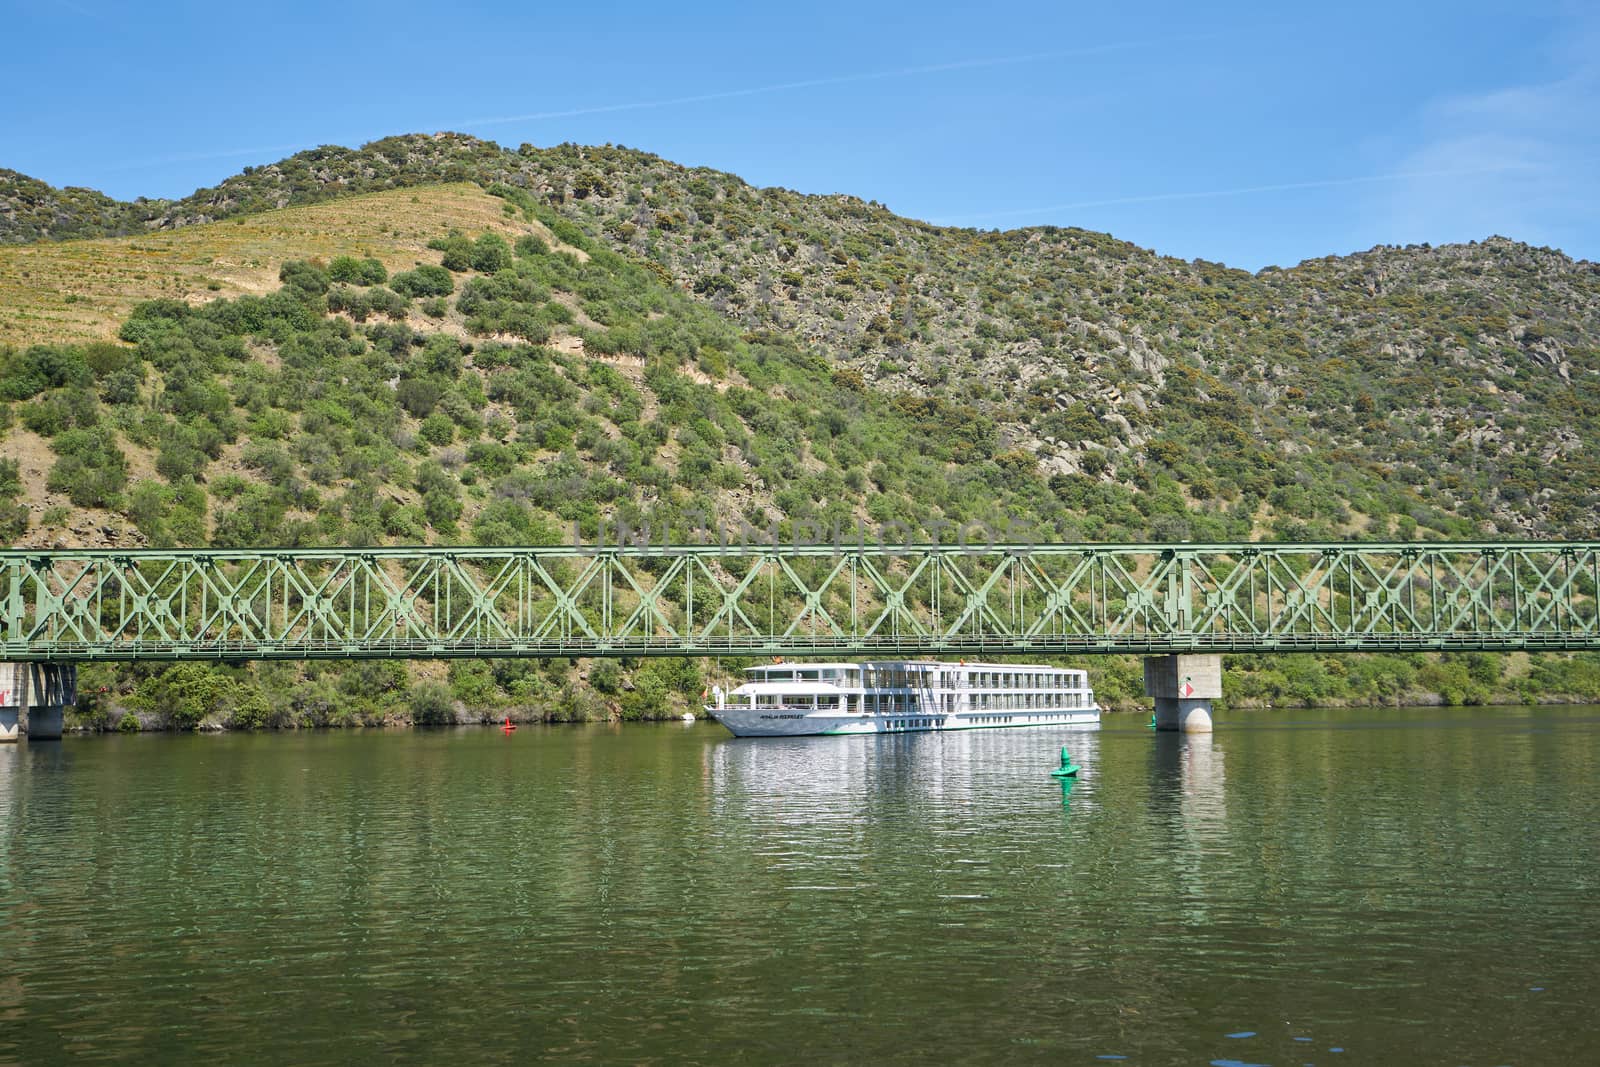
x: 1068, y: 769
x: 1153, y: 721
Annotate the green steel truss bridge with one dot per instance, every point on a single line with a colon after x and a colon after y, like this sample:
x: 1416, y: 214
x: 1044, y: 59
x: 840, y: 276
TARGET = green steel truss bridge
x: 852, y: 601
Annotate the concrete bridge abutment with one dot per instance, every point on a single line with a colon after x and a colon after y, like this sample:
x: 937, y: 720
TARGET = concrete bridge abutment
x: 1183, y: 688
x: 33, y: 697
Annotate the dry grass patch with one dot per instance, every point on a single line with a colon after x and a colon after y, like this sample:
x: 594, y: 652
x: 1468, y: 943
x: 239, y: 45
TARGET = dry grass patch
x: 82, y: 290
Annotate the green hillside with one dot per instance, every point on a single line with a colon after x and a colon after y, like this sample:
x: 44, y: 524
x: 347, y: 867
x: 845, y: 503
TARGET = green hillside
x: 596, y: 335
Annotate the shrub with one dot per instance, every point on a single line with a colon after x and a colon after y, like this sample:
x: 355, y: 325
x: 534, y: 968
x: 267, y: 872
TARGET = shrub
x: 255, y: 520
x: 457, y: 251
x: 490, y: 253
x: 437, y: 429
x: 303, y: 278
x: 432, y: 704
x: 355, y: 271
x: 188, y: 694
x: 91, y: 469
x: 418, y: 396
x: 47, y: 416
x: 26, y: 374
x: 606, y: 677
x: 180, y: 455
x: 13, y: 521
x: 426, y: 280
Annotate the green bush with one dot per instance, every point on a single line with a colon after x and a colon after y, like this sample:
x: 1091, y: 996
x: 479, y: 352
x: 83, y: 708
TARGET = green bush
x: 91, y: 470
x: 432, y: 704
x: 490, y: 253
x: 419, y: 396
x: 353, y: 271
x: 457, y: 251
x: 426, y: 280
x: 606, y: 677
x: 188, y: 694
x: 47, y: 416
x: 303, y: 278
x: 13, y: 522
x: 437, y: 429
x: 26, y: 374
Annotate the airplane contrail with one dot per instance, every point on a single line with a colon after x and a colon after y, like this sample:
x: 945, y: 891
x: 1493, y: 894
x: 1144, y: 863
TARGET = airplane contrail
x: 840, y: 79
x: 1245, y: 190
x: 193, y: 157
x: 725, y: 94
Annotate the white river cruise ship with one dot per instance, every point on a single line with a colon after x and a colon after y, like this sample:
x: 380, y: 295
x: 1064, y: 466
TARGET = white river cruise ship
x: 793, y: 699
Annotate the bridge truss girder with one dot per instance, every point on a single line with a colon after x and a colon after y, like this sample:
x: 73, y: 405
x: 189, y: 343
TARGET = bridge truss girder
x: 852, y: 601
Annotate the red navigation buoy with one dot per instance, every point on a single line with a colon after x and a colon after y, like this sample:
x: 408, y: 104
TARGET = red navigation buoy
x: 508, y: 727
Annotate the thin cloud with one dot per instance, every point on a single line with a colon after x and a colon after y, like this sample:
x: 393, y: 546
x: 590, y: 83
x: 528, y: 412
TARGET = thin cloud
x: 841, y: 79
x: 1246, y: 190
x: 1547, y: 126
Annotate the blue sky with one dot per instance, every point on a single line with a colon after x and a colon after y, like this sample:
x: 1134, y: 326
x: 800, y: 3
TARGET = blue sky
x: 1252, y: 134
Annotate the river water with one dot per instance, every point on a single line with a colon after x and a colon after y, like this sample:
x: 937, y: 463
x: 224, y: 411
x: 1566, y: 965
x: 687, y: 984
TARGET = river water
x: 1339, y: 887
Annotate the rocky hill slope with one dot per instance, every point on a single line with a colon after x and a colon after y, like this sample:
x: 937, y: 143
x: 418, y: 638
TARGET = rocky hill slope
x: 1097, y: 362
x: 337, y: 348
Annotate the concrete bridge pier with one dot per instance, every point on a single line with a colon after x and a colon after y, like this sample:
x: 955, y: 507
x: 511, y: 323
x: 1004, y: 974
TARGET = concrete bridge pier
x: 33, y: 697
x: 1183, y: 687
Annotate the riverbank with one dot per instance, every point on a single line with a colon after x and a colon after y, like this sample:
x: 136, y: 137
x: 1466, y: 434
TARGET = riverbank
x: 141, y: 698
x: 122, y: 719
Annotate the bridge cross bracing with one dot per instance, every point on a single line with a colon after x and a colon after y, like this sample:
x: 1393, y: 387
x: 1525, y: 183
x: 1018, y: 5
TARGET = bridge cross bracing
x: 808, y: 600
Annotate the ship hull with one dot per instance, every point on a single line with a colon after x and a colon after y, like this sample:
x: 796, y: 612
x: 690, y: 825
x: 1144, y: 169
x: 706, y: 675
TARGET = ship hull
x: 771, y: 722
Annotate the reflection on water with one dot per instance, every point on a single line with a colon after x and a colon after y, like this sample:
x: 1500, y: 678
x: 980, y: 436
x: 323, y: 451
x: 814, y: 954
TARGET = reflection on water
x: 860, y: 776
x: 1404, y: 886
